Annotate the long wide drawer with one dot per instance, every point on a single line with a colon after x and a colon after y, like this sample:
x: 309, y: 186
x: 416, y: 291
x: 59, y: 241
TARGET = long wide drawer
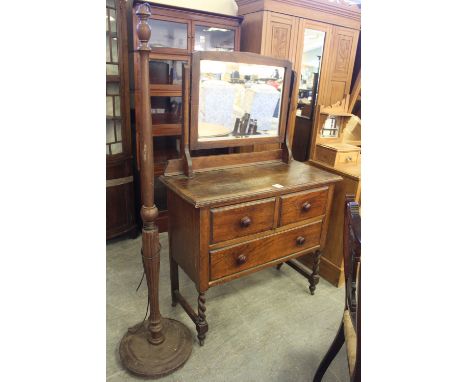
x: 303, y: 205
x: 242, y: 219
x: 227, y: 261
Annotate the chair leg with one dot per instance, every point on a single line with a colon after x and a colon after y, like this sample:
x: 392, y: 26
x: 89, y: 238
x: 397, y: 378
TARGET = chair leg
x: 331, y: 353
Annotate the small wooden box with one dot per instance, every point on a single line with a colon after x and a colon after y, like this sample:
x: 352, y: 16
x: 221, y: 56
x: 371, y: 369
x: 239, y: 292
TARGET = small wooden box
x: 336, y: 153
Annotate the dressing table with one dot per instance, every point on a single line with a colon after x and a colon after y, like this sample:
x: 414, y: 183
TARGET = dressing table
x: 234, y: 214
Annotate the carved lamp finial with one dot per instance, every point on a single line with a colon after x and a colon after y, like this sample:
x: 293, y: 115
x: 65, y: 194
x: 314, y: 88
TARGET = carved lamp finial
x: 143, y: 29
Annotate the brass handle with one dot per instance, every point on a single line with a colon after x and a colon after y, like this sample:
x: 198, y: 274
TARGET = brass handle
x: 349, y: 159
x: 300, y: 240
x: 241, y: 259
x: 245, y: 222
x: 306, y: 206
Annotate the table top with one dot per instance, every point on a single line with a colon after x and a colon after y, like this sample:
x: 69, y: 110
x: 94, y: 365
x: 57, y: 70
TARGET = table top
x: 258, y: 180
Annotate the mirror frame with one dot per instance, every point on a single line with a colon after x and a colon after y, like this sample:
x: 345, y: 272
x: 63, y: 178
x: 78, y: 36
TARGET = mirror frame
x: 242, y: 58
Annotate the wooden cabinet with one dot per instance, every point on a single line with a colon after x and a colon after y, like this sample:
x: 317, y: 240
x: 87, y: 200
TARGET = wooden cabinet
x: 175, y: 33
x: 120, y: 207
x: 225, y: 224
x: 280, y: 29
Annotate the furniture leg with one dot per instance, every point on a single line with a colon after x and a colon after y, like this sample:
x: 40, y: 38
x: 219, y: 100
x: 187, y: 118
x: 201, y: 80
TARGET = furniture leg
x: 174, y: 274
x: 331, y: 353
x: 314, y: 277
x: 202, y: 325
x: 278, y: 267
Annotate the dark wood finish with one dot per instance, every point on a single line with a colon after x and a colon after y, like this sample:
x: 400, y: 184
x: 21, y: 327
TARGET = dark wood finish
x: 352, y: 259
x: 208, y: 241
x: 241, y: 184
x: 303, y: 205
x: 120, y: 204
x: 242, y: 219
x: 248, y: 58
x: 160, y: 346
x: 216, y: 162
x: 225, y: 262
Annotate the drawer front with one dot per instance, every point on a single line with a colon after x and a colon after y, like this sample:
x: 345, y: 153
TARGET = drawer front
x: 347, y: 157
x: 227, y: 261
x: 242, y: 219
x: 303, y: 205
x: 325, y: 155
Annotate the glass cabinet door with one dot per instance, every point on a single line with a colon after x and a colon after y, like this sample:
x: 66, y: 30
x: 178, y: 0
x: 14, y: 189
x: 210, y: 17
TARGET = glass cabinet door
x: 310, y: 71
x: 214, y: 39
x: 168, y: 34
x: 166, y: 72
x: 114, y: 144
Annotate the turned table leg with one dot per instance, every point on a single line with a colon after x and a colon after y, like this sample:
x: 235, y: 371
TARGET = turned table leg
x: 202, y: 325
x: 314, y: 277
x: 174, y: 267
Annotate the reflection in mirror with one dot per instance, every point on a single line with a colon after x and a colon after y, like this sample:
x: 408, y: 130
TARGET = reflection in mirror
x: 310, y: 71
x: 239, y: 100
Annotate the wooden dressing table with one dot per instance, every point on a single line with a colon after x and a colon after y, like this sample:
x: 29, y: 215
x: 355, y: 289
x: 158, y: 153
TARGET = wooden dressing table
x: 235, y: 214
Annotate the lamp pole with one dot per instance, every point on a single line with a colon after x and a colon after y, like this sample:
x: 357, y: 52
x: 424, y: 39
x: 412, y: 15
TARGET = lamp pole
x: 160, y: 345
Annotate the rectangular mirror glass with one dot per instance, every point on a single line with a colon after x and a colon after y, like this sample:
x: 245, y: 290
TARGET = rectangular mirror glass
x: 239, y: 100
x: 310, y: 71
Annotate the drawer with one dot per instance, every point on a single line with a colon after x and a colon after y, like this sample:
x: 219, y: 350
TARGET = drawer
x: 303, y: 205
x: 227, y: 261
x: 351, y: 157
x: 325, y: 155
x: 242, y: 219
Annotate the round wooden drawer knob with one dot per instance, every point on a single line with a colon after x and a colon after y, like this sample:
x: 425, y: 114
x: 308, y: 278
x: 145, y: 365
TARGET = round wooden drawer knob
x: 241, y: 259
x: 245, y: 222
x: 300, y: 240
x: 306, y: 206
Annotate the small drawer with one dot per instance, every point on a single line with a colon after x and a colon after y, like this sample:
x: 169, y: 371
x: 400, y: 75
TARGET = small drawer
x: 325, y: 155
x: 303, y: 205
x: 242, y: 219
x: 350, y: 157
x: 227, y: 261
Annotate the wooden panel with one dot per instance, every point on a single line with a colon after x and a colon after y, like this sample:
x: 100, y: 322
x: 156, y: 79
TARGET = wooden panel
x: 281, y: 36
x: 325, y: 155
x: 168, y: 129
x: 340, y: 67
x: 322, y: 10
x: 331, y: 267
x: 252, y: 40
x: 228, y: 261
x: 303, y: 205
x: 183, y: 235
x: 337, y: 91
x: 242, y: 219
x: 120, y: 216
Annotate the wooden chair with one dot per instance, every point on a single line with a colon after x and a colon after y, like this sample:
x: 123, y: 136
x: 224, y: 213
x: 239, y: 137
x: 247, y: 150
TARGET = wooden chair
x: 350, y: 327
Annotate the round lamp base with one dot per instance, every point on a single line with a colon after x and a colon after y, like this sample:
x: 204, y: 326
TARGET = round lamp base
x: 148, y: 360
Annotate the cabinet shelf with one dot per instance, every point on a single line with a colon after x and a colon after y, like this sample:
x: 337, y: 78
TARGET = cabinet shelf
x: 164, y: 130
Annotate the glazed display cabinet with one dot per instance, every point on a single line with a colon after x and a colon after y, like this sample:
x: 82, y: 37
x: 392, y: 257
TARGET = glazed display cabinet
x: 175, y: 33
x: 120, y: 205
